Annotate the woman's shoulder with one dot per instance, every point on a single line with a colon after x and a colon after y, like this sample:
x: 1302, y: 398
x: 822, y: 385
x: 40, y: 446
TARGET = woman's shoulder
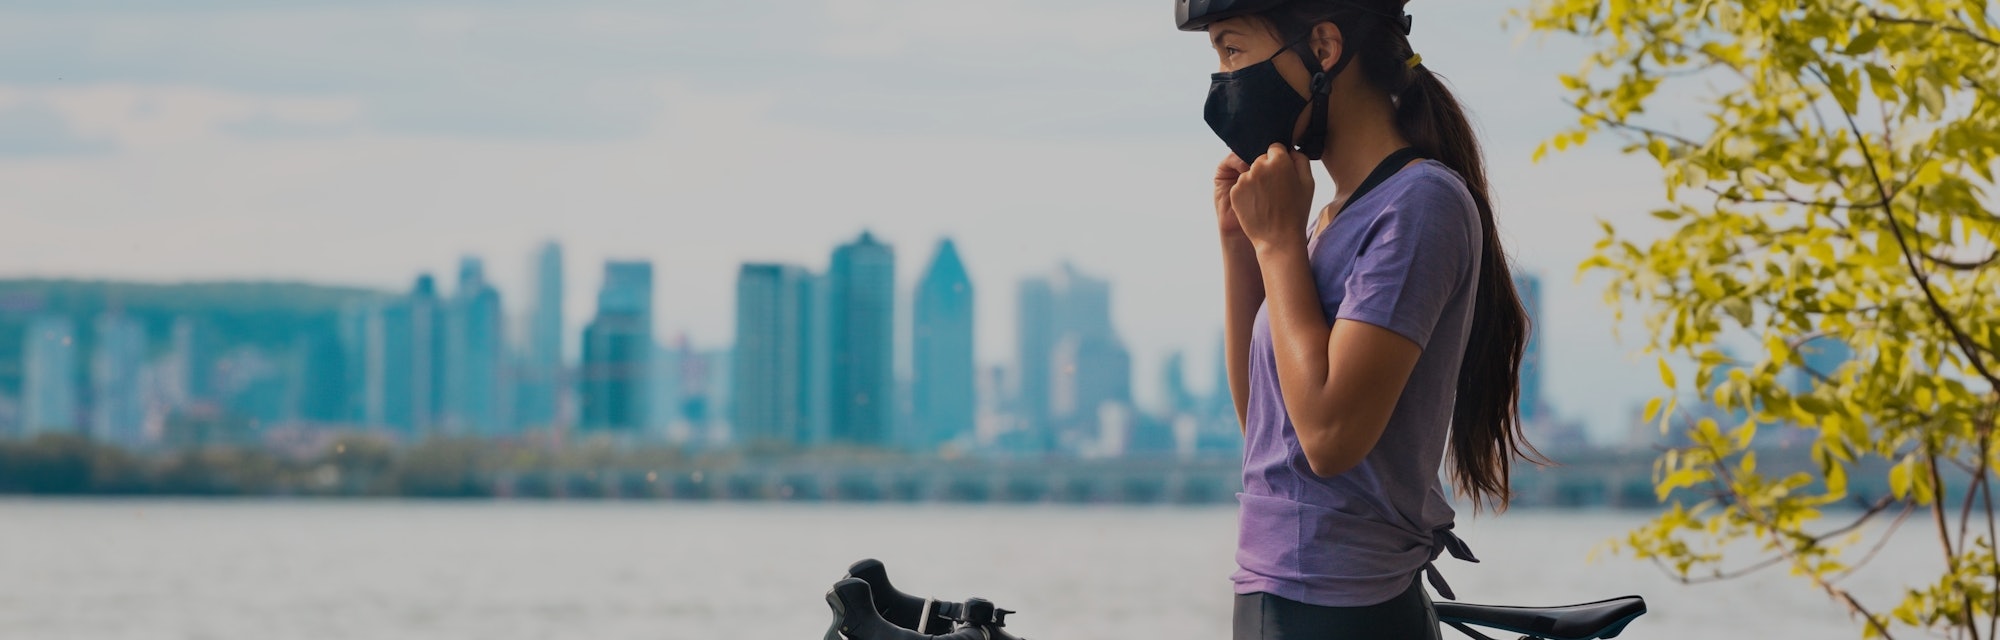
x: 1432, y: 178
x: 1433, y: 191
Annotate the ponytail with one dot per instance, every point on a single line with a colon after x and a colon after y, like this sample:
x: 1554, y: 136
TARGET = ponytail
x: 1486, y: 424
x: 1486, y: 430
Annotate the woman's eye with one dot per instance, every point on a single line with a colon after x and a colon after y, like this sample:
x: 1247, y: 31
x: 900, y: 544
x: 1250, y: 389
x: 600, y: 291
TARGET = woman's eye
x: 1230, y: 51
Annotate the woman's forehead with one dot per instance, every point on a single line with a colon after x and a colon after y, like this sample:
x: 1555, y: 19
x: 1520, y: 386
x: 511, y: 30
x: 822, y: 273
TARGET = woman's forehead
x: 1240, y: 26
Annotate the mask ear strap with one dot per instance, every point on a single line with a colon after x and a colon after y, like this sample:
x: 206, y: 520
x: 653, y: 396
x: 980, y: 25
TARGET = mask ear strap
x: 1322, y: 84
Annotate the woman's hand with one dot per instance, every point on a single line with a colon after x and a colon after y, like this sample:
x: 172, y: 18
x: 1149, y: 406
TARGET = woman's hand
x: 1271, y: 200
x: 1226, y: 175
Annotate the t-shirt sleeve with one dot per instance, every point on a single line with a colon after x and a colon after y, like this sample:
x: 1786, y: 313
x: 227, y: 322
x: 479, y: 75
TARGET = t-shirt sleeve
x: 1414, y: 260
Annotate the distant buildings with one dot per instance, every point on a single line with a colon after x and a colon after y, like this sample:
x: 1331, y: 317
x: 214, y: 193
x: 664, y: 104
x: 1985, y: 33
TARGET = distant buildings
x: 1173, y: 386
x: 474, y: 355
x: 1076, y: 375
x: 194, y: 349
x: 617, y: 348
x: 118, y: 414
x: 403, y: 356
x: 1547, y: 431
x: 942, y: 401
x: 862, y: 296
x: 1529, y: 288
x: 1035, y: 338
x: 539, y: 395
x: 773, y: 374
x: 812, y: 363
x: 48, y: 394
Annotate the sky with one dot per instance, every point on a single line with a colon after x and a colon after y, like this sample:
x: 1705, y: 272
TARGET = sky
x: 361, y: 142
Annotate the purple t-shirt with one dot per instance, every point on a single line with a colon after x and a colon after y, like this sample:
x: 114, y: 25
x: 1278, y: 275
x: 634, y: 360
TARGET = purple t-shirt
x: 1404, y: 257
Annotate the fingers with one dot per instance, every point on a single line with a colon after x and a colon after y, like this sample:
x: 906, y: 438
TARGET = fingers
x: 1274, y: 162
x: 1231, y: 167
x: 1236, y: 162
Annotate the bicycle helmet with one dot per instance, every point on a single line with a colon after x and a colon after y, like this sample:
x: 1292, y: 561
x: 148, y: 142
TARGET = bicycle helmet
x: 1195, y: 15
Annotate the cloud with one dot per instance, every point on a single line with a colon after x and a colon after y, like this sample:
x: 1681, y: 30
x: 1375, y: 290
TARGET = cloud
x: 33, y: 129
x: 529, y: 71
x: 126, y: 117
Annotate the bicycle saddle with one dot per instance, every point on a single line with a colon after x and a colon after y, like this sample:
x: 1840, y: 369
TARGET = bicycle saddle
x: 1587, y: 621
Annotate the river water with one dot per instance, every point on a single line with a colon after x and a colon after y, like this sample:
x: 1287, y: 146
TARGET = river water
x: 305, y: 570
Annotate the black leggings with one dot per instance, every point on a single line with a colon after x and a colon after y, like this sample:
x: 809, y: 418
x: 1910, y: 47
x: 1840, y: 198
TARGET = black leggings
x: 1408, y: 616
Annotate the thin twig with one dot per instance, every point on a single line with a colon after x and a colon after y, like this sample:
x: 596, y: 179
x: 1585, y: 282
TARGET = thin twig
x: 1887, y: 534
x: 1786, y: 198
x: 1944, y: 534
x: 1676, y: 138
x: 1949, y: 28
x: 1959, y: 265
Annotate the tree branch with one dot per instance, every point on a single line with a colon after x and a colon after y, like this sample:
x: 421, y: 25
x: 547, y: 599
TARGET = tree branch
x: 1854, y: 606
x: 1786, y: 198
x: 1948, y: 28
x: 1908, y: 508
x: 1958, y: 265
x: 1674, y: 137
x: 1944, y: 316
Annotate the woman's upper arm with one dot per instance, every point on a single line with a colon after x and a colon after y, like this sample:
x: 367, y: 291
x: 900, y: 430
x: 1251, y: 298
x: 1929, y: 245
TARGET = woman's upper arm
x: 1367, y: 368
x: 1414, y: 262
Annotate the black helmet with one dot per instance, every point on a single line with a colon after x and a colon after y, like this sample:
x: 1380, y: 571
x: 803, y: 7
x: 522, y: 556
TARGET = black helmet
x: 1195, y: 15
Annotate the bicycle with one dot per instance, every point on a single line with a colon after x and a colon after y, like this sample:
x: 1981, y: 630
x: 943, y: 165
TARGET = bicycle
x: 867, y: 607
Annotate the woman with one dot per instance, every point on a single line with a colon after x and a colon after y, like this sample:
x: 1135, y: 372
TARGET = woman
x: 1363, y: 343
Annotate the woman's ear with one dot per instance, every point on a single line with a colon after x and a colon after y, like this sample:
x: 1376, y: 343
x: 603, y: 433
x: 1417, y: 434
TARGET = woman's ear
x: 1327, y: 43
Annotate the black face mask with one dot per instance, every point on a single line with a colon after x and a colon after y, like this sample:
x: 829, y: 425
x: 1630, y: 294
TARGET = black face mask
x: 1253, y: 107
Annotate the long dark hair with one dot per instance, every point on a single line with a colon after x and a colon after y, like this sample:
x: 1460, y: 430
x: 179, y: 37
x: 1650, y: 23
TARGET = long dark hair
x: 1486, y: 424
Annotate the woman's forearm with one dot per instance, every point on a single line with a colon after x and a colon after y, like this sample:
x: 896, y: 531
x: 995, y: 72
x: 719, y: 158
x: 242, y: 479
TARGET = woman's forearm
x: 1299, y: 334
x: 1243, y: 292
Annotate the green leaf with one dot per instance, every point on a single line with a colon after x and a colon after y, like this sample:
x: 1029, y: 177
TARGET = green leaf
x: 1862, y: 44
x: 1666, y: 375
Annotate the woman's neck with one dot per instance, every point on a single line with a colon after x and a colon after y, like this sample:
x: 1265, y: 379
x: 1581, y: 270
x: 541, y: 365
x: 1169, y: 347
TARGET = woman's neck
x: 1359, y: 139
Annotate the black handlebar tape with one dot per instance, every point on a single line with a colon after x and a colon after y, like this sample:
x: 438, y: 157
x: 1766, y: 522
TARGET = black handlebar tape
x: 901, y: 609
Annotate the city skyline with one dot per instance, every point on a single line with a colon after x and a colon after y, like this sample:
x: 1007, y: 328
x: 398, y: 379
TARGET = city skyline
x: 433, y: 361
x: 620, y: 129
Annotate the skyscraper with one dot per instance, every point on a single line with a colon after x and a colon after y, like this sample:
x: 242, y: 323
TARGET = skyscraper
x: 473, y: 354
x: 943, y: 387
x: 1090, y: 370
x: 1529, y: 287
x: 771, y: 372
x: 194, y: 348
x: 428, y: 325
x: 617, y: 347
x: 819, y: 360
x: 1222, y: 399
x: 1173, y: 385
x: 118, y: 411
x: 862, y: 281
x: 401, y: 367
x: 539, y: 388
x: 1035, y: 342
x: 627, y: 288
x: 1072, y: 361
x: 48, y: 393
x: 319, y: 390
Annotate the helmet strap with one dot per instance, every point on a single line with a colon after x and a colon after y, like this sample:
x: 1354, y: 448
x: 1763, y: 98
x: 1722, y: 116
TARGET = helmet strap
x: 1314, y: 145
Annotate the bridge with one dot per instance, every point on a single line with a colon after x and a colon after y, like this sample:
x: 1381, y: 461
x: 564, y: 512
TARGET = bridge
x: 1584, y: 479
